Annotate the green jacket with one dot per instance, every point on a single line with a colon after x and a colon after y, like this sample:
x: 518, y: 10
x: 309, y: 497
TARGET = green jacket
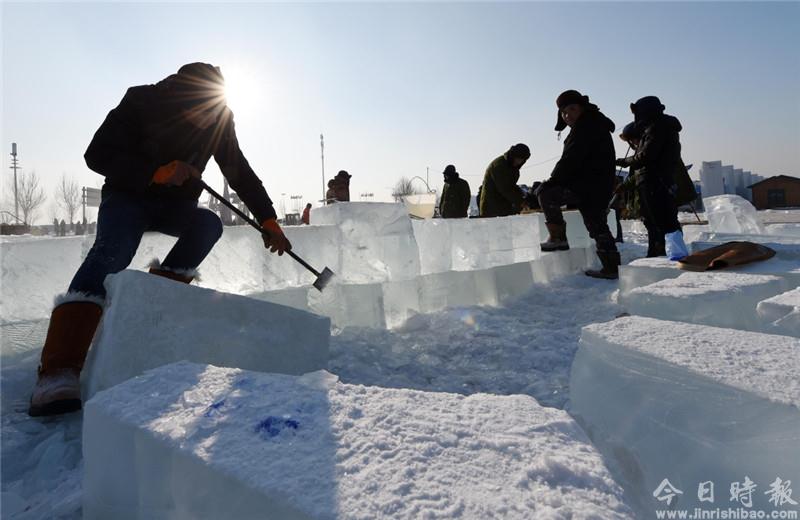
x: 455, y: 199
x: 500, y: 195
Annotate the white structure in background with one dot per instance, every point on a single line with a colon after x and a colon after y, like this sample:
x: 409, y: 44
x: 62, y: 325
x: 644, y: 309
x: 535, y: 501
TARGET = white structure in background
x: 717, y: 179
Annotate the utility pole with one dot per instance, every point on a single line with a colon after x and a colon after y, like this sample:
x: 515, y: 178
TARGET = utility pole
x: 427, y: 173
x: 14, y: 166
x: 322, y: 155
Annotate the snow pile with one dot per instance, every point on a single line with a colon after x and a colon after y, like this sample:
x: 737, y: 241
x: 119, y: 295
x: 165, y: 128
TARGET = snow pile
x: 151, y: 321
x: 732, y: 214
x: 716, y: 298
x: 226, y: 443
x: 781, y: 314
x: 688, y: 403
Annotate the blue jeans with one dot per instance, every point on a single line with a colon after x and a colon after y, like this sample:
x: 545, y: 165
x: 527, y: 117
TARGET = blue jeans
x: 122, y: 220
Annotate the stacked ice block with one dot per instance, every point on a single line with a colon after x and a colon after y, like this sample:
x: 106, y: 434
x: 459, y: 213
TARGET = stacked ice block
x: 691, y: 404
x: 209, y: 443
x: 781, y: 314
x: 150, y: 321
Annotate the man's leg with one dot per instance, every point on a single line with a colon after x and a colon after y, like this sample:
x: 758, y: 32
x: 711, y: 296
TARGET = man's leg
x: 551, y: 197
x: 120, y: 223
x: 664, y: 214
x: 594, y: 218
x: 197, y: 229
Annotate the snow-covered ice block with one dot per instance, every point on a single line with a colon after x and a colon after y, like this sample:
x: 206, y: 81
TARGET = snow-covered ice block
x: 781, y: 314
x: 786, y: 230
x: 294, y: 297
x: 350, y: 305
x: 34, y: 271
x: 433, y: 241
x: 151, y: 321
x: 211, y: 443
x: 644, y: 271
x: 732, y: 214
x: 691, y: 404
x: 714, y: 298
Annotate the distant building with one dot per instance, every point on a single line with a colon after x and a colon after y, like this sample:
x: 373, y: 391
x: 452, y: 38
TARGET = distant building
x: 781, y: 191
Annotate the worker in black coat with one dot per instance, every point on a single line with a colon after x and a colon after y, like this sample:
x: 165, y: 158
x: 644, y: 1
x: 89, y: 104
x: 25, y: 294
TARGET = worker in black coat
x: 586, y: 170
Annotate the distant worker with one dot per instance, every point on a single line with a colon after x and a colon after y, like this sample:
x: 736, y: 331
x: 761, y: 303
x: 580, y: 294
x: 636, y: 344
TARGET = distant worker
x: 456, y: 195
x: 341, y: 186
x: 500, y: 195
x: 150, y: 148
x: 306, y: 218
x: 657, y: 158
x: 62, y: 228
x: 585, y: 170
x: 330, y: 195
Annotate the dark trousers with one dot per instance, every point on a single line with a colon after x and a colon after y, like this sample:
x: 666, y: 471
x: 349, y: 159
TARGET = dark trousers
x: 658, y: 208
x: 122, y: 220
x: 593, y: 210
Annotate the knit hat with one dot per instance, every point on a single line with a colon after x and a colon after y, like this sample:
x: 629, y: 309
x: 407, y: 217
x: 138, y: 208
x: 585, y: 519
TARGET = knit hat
x: 566, y: 98
x: 519, y: 150
x: 449, y: 170
x: 344, y: 174
x: 631, y: 131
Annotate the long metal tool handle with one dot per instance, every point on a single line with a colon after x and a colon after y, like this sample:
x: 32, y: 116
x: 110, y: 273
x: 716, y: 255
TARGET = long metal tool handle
x: 617, y: 191
x: 250, y: 221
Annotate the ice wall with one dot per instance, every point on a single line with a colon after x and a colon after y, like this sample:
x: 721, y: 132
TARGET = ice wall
x: 211, y: 443
x: 691, y: 404
x: 151, y: 321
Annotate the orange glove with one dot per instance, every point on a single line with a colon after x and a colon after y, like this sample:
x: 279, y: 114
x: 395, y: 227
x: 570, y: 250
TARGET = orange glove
x: 273, y: 236
x: 175, y: 173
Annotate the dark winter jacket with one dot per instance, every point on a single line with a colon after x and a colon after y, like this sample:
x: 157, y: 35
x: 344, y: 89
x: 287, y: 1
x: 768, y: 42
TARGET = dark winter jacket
x: 658, y: 157
x: 587, y: 164
x: 146, y: 131
x: 500, y: 195
x: 455, y: 198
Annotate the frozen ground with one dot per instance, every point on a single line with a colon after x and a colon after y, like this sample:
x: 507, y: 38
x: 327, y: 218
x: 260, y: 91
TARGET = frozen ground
x: 525, y: 346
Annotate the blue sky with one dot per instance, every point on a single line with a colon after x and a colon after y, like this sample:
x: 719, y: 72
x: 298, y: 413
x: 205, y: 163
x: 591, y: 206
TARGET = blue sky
x: 398, y: 88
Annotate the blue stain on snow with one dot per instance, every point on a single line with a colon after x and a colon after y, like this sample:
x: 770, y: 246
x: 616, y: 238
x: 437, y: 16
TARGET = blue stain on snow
x: 273, y: 426
x: 213, y: 409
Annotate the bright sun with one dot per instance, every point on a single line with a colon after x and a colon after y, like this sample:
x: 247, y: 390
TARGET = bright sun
x: 241, y: 90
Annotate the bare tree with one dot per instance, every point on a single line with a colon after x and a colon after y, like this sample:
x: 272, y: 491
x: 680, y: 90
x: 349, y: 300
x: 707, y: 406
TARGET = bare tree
x: 404, y: 186
x: 30, y: 195
x: 68, y: 196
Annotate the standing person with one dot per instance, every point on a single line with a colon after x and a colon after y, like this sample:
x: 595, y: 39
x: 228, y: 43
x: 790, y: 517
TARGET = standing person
x: 341, y: 186
x: 500, y: 195
x: 306, y: 218
x: 655, y: 162
x: 586, y: 170
x: 330, y: 195
x: 455, y: 195
x: 632, y: 135
x: 149, y: 148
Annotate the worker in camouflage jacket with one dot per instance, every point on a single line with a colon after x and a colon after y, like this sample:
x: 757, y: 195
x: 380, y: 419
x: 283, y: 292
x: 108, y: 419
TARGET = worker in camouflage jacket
x: 500, y: 195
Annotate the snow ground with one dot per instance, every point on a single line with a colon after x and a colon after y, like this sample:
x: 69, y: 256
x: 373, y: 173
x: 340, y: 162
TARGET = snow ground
x: 525, y: 346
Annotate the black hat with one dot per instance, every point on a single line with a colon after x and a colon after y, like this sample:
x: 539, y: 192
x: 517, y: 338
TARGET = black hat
x: 646, y: 108
x: 631, y: 131
x: 343, y: 173
x: 566, y: 98
x: 199, y: 84
x: 519, y: 150
x: 449, y: 170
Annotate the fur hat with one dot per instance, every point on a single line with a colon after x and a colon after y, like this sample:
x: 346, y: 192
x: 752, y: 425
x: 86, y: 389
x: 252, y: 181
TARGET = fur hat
x: 566, y: 98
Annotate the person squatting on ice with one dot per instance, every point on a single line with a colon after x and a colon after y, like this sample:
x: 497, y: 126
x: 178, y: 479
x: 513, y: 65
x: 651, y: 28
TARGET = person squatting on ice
x: 586, y: 170
x: 499, y: 194
x: 654, y: 164
x: 150, y: 149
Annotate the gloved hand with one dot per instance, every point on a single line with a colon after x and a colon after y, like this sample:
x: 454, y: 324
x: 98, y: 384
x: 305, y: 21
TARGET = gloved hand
x: 175, y: 173
x: 622, y: 162
x: 273, y: 236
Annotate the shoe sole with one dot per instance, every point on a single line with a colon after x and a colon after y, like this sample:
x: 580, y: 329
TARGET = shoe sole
x: 600, y: 276
x: 552, y: 249
x: 55, y: 408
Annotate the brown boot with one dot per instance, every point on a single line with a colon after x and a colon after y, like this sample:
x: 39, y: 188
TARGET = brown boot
x: 610, y: 269
x: 172, y: 275
x: 72, y: 327
x: 557, y: 241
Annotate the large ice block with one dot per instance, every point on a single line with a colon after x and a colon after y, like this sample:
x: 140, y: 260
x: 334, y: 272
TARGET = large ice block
x: 732, y: 214
x: 151, y: 321
x: 644, y: 271
x: 350, y: 305
x: 433, y: 241
x: 551, y: 266
x: 691, y: 404
x: 500, y: 237
x: 781, y: 314
x: 401, y: 301
x: 525, y: 237
x: 513, y: 280
x: 294, y: 297
x: 712, y: 298
x: 469, y: 244
x: 212, y: 443
x: 34, y: 272
x: 318, y: 245
x: 236, y: 263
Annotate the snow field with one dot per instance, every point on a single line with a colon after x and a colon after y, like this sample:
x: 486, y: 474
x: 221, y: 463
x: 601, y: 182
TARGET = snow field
x: 690, y: 403
x: 227, y: 443
x: 151, y: 321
